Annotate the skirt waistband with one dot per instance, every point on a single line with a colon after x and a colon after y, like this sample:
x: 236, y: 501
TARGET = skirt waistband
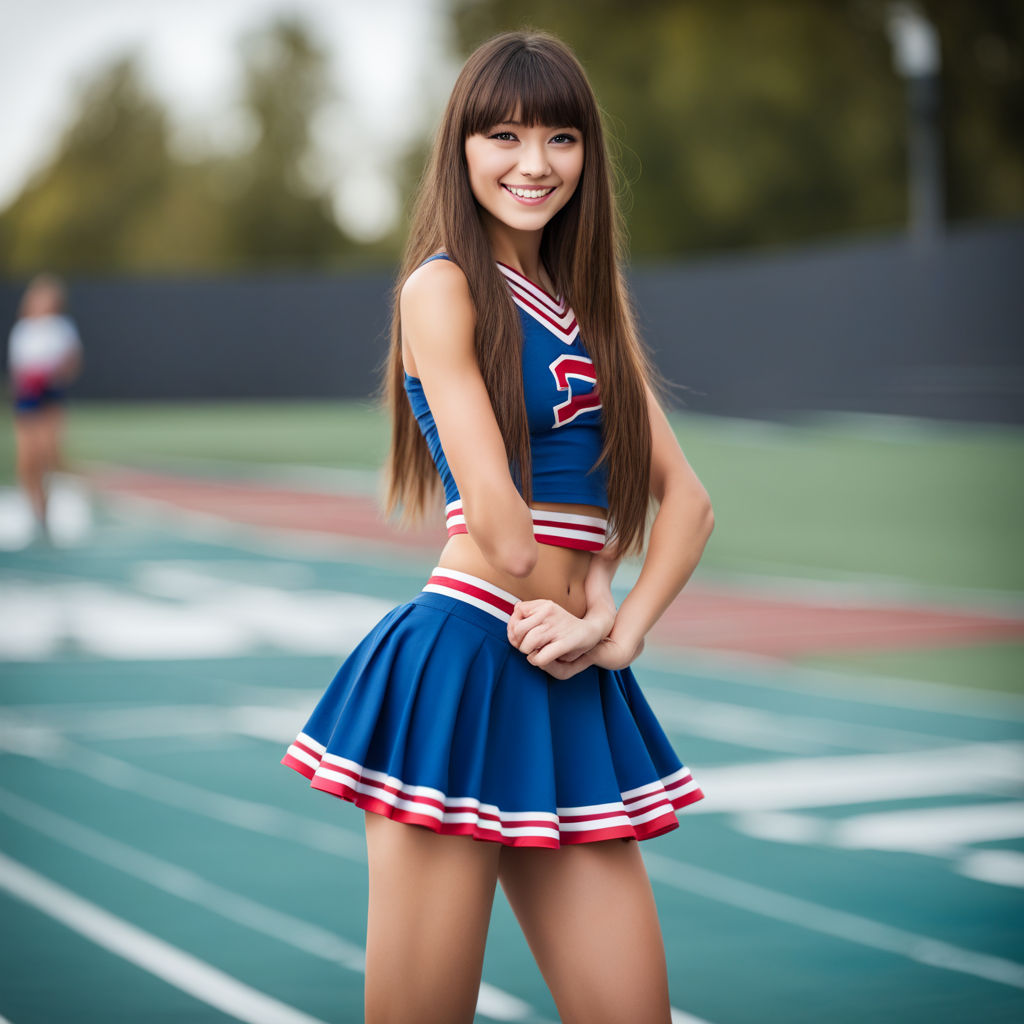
x: 559, y: 529
x: 472, y: 590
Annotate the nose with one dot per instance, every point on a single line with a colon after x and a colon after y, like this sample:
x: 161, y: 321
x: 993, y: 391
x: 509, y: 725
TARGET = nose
x: 533, y: 160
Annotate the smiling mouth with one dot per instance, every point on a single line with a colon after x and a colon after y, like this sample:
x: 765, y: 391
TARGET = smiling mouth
x: 528, y: 193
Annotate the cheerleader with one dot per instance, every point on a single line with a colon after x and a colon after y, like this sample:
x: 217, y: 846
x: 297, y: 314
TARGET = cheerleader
x: 491, y: 729
x: 44, y: 357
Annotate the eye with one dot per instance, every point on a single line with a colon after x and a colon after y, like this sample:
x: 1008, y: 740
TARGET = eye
x: 503, y: 136
x: 564, y: 138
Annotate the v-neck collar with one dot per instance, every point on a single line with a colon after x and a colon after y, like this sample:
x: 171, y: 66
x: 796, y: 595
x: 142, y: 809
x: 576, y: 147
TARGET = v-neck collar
x: 552, y: 313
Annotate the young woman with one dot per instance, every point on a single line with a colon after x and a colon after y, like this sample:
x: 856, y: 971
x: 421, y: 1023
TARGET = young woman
x: 44, y: 357
x: 491, y: 728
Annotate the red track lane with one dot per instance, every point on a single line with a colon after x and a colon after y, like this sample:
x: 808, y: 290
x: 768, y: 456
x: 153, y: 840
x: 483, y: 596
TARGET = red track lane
x: 703, y: 616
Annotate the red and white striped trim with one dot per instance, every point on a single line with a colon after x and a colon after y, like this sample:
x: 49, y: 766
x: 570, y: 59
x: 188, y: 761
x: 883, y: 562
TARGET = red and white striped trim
x: 559, y: 529
x: 454, y: 518
x: 569, y: 530
x: 548, y: 311
x: 473, y: 590
x: 641, y: 814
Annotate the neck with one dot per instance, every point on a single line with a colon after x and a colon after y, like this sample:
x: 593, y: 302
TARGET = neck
x: 517, y: 249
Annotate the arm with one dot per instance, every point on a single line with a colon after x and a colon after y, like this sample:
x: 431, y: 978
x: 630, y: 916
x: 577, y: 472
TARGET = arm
x: 556, y: 640
x: 69, y: 367
x: 680, y: 530
x: 438, y: 321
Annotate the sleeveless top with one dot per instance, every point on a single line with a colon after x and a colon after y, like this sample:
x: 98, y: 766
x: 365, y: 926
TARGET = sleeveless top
x: 563, y: 409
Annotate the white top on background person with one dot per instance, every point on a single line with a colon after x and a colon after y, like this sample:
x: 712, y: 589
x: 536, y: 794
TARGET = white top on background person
x: 42, y: 344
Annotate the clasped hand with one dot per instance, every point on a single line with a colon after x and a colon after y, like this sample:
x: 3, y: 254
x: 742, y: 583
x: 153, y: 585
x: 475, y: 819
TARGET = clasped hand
x: 563, y: 644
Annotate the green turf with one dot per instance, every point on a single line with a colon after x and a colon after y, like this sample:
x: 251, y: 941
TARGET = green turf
x: 983, y: 666
x: 937, y: 505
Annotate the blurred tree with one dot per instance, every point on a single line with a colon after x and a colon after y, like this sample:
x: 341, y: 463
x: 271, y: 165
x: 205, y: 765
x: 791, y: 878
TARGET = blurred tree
x: 276, y: 209
x: 750, y: 123
x: 114, y: 197
x: 110, y: 170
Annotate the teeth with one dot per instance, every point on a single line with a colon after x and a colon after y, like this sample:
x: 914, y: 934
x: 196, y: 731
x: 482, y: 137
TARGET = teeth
x: 528, y: 193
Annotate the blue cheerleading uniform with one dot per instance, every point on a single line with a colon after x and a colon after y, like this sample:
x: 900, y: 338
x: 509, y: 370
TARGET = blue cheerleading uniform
x: 435, y: 719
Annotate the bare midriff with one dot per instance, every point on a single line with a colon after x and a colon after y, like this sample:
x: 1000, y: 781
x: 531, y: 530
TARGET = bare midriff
x: 558, y: 575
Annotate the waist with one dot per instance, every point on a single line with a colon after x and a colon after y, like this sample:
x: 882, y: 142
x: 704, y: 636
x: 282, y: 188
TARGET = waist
x: 558, y: 576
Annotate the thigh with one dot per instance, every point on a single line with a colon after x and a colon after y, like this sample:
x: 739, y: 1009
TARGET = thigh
x: 30, y: 439
x: 588, y: 914
x: 430, y: 904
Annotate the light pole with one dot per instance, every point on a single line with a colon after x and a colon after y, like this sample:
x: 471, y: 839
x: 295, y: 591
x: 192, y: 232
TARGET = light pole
x: 916, y: 57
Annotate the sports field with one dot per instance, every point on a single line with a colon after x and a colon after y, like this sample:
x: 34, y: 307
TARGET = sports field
x: 843, y: 677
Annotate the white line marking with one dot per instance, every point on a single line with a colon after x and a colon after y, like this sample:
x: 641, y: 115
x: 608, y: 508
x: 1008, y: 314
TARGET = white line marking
x: 878, y: 691
x: 757, y: 899
x: 492, y: 1002
x: 771, y: 730
x: 228, y: 810
x: 195, y: 615
x: 930, y: 829
x: 996, y: 768
x: 173, y: 965
x: 999, y: 867
x: 945, y: 832
x: 816, y: 917
x: 682, y: 1017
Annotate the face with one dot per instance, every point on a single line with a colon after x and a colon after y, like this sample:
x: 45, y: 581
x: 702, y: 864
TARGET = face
x: 522, y: 176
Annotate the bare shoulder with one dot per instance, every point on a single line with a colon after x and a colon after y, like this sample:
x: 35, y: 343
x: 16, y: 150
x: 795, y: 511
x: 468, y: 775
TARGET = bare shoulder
x: 438, y: 315
x: 439, y: 283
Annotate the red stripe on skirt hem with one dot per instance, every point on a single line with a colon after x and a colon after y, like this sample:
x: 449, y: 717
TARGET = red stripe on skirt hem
x: 301, y: 767
x: 645, y: 830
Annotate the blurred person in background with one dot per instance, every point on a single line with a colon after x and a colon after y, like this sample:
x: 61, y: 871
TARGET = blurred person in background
x: 491, y: 728
x: 44, y: 357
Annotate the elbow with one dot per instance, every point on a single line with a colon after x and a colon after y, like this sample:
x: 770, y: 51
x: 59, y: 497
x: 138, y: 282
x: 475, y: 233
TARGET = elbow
x: 504, y: 535
x: 519, y: 560
x: 705, y: 517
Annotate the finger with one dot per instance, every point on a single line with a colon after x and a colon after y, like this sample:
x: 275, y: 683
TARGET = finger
x: 567, y: 669
x: 521, y: 628
x: 522, y: 609
x: 546, y: 654
x: 535, y: 639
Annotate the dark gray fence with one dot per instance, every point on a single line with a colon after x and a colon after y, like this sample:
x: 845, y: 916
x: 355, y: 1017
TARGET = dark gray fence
x: 876, y: 326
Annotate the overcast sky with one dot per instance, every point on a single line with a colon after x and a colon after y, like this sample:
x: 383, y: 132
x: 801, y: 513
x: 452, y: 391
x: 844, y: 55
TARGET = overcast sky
x: 389, y: 62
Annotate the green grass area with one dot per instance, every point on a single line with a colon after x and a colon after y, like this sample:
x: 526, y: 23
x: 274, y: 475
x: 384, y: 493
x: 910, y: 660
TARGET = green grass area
x: 335, y: 434
x: 981, y: 666
x: 939, y: 505
x: 935, y: 505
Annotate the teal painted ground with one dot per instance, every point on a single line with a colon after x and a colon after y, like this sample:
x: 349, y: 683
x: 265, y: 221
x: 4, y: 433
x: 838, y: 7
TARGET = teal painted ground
x: 154, y: 676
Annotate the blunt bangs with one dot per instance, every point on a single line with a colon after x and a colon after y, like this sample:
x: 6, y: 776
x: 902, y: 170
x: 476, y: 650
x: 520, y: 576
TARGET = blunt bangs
x: 531, y: 86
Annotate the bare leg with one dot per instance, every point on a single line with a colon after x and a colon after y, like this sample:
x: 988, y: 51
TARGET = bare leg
x: 588, y: 914
x: 30, y: 442
x: 430, y: 905
x: 52, y: 427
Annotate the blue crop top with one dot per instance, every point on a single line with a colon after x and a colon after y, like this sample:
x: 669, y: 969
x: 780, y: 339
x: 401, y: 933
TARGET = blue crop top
x: 563, y: 410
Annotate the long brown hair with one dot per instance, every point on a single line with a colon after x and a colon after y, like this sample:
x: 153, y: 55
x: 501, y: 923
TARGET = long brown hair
x: 536, y: 79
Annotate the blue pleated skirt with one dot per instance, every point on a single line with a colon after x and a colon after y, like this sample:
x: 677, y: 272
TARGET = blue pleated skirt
x: 435, y: 719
